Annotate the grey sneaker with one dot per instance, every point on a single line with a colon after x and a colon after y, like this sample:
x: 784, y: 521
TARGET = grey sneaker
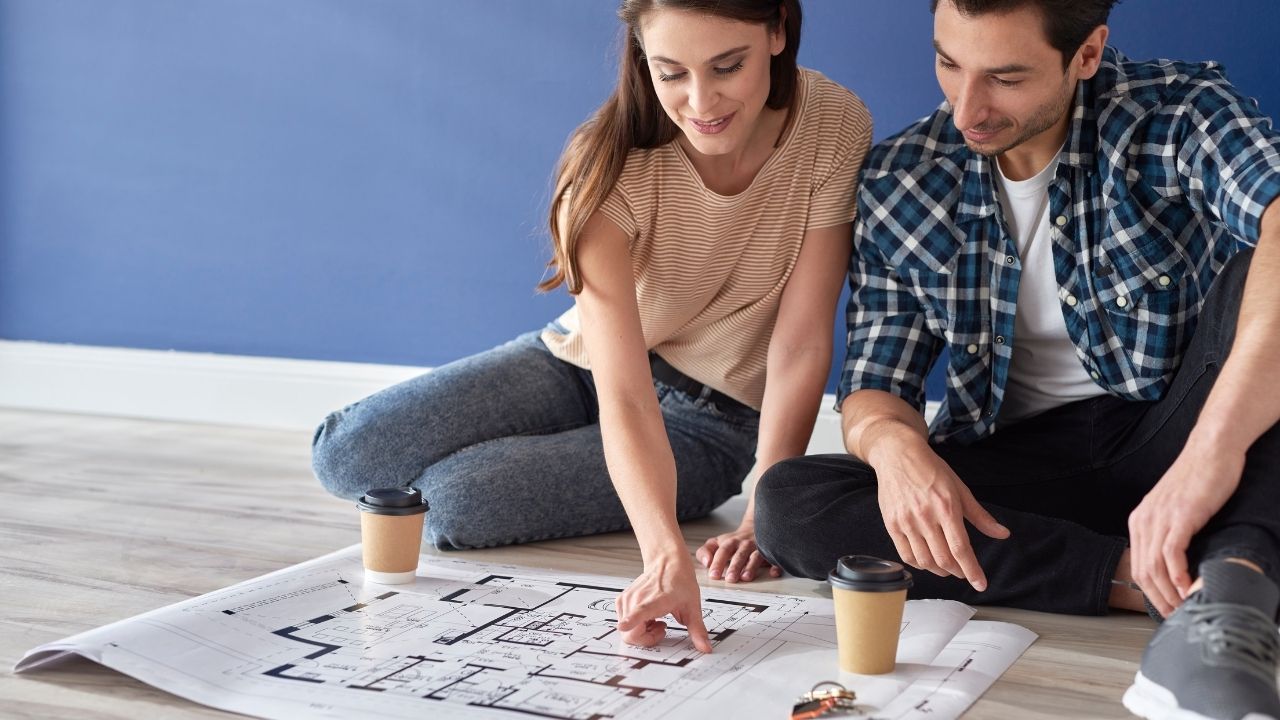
x: 1214, y: 658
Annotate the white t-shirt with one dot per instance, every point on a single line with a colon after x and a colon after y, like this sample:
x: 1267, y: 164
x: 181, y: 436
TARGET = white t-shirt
x: 1046, y: 370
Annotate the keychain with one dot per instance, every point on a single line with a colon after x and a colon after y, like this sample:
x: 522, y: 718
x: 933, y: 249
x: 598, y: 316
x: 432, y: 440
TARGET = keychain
x: 821, y: 702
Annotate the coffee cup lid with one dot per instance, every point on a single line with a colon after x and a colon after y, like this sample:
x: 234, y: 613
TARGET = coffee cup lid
x: 869, y: 574
x: 393, y: 501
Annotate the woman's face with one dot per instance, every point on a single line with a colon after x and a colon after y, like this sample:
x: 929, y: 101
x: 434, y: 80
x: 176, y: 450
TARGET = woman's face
x: 711, y: 75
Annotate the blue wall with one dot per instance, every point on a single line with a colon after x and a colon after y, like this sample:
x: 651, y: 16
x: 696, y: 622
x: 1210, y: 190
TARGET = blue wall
x: 365, y: 180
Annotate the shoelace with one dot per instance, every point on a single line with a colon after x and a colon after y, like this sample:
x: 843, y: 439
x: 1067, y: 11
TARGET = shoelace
x: 1240, y: 633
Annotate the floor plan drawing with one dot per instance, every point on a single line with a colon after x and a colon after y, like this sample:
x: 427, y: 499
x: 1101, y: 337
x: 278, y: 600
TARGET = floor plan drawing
x: 539, y: 647
x: 471, y: 640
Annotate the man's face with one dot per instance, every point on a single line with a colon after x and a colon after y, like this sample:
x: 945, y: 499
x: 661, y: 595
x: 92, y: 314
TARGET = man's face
x: 1004, y: 81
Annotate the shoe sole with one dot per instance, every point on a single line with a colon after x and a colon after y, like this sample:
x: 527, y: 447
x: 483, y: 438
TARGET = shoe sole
x: 1150, y: 700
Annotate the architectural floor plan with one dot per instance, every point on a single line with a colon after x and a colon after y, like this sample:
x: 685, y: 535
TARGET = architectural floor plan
x: 472, y: 640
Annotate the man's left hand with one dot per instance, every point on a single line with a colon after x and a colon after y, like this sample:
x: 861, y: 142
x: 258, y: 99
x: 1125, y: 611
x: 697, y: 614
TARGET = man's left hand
x: 1193, y: 489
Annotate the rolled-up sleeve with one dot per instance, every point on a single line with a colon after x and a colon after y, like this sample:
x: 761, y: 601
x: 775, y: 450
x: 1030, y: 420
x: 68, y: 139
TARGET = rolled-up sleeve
x: 1229, y: 163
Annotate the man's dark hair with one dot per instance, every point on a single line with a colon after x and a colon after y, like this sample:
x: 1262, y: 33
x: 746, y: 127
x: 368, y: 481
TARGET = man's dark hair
x: 1066, y: 22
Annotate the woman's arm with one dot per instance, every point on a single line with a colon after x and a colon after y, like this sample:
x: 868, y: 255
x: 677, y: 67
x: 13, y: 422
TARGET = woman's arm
x: 636, y: 448
x: 799, y: 359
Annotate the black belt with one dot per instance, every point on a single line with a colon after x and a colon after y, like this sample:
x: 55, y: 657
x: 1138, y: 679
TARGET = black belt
x: 664, y: 373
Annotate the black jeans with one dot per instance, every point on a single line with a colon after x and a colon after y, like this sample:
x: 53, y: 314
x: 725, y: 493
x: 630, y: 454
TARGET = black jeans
x: 1063, y: 482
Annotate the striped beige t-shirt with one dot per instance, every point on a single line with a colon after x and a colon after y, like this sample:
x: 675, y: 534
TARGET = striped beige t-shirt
x: 710, y: 269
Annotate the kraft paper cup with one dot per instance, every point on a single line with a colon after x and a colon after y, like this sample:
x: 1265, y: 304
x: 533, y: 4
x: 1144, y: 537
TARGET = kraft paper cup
x: 391, y: 534
x: 869, y: 595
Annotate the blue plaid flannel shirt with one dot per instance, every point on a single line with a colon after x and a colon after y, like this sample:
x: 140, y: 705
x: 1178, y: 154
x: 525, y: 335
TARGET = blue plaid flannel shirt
x: 1166, y: 170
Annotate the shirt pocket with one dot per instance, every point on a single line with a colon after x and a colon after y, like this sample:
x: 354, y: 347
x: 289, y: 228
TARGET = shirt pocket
x: 937, y: 288
x: 1146, y: 294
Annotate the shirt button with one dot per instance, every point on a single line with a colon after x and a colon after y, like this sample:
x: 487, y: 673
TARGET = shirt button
x: 999, y: 339
x: 1164, y: 281
x: 1094, y: 374
x: 1062, y: 220
x: 973, y: 349
x: 1008, y: 259
x: 1122, y: 301
x: 1071, y: 300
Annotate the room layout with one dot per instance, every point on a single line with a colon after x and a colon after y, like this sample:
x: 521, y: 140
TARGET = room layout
x: 478, y: 641
x: 536, y: 647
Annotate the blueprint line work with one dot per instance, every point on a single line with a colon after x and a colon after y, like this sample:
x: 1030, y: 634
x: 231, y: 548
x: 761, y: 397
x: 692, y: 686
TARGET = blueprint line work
x: 475, y: 640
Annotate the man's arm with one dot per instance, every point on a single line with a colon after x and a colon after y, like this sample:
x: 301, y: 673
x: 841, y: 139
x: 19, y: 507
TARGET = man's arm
x: 1228, y: 166
x: 923, y: 503
x: 1207, y: 471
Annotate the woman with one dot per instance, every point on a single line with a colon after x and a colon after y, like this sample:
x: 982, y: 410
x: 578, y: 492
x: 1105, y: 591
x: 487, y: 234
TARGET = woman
x: 701, y: 220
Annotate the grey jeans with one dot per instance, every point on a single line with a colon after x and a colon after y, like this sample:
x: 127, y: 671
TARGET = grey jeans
x: 505, y: 445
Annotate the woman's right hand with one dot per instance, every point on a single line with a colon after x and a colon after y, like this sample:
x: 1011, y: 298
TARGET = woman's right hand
x: 667, y: 586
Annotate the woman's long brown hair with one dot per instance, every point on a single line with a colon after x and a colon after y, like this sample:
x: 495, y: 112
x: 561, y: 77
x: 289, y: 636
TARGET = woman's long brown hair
x: 633, y: 118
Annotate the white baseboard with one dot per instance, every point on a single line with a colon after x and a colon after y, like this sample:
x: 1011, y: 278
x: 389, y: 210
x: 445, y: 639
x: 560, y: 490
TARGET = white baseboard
x: 222, y: 389
x: 826, y: 436
x: 189, y: 387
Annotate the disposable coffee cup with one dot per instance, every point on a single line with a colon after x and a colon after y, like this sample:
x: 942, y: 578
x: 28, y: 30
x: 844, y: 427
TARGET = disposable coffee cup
x: 869, y: 595
x: 391, y: 533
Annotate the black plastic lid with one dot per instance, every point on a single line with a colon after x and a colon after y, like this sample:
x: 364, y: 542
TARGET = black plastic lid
x: 393, y: 501
x: 869, y: 574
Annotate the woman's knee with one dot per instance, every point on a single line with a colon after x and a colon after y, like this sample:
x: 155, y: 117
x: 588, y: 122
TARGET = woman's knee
x: 472, y: 519
x: 450, y: 532
x: 341, y: 457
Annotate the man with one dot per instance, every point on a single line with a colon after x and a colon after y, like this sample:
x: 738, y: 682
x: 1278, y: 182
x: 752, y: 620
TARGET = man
x: 1073, y: 227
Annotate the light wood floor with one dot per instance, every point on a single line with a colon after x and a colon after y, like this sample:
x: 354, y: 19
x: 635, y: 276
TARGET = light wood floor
x: 103, y: 518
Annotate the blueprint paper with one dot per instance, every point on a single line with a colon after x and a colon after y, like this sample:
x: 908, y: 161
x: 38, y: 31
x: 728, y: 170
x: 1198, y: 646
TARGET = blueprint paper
x: 477, y: 640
